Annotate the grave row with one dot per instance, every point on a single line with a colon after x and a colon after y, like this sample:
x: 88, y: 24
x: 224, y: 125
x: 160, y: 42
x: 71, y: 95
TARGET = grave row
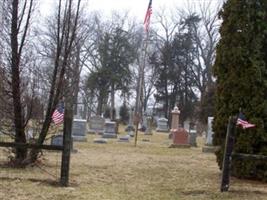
x: 98, y: 125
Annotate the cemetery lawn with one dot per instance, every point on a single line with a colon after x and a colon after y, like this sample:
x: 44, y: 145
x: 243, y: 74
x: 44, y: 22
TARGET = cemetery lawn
x: 120, y: 171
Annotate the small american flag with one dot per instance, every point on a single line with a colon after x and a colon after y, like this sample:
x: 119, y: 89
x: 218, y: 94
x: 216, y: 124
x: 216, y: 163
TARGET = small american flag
x: 241, y: 121
x: 58, y: 115
x: 148, y: 14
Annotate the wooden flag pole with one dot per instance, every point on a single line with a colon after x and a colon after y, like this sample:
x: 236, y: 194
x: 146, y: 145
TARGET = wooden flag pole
x: 65, y: 163
x: 229, y: 145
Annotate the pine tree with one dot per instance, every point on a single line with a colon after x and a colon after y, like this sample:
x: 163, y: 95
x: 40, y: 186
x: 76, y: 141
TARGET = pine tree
x: 124, y: 113
x: 241, y: 72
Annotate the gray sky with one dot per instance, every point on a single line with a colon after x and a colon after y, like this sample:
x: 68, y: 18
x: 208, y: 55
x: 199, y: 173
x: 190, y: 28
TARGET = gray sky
x: 136, y: 8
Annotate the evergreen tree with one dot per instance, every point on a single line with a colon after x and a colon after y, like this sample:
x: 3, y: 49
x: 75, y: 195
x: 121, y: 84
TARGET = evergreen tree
x: 175, y: 80
x: 111, y: 72
x: 240, y: 69
x: 124, y: 113
x: 116, y: 55
x: 206, y: 106
x: 98, y: 84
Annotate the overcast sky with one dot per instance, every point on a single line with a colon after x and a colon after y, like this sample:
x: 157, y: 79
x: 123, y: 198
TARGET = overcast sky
x: 136, y: 8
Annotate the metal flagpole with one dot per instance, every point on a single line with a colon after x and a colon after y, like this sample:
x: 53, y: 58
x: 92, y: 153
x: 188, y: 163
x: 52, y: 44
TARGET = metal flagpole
x: 139, y: 100
x: 139, y: 96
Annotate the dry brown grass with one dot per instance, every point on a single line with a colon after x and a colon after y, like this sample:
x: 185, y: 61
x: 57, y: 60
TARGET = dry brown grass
x: 120, y: 171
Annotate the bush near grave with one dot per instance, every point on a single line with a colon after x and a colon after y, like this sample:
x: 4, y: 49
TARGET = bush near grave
x: 241, y: 73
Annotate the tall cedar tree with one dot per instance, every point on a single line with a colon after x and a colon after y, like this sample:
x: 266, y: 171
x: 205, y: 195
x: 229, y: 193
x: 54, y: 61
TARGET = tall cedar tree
x: 240, y: 69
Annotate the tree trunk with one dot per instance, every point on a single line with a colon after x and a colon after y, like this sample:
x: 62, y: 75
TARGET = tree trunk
x: 77, y: 79
x: 112, y: 109
x: 100, y: 104
x: 68, y: 118
x: 21, y: 154
x: 65, y: 37
x: 166, y: 100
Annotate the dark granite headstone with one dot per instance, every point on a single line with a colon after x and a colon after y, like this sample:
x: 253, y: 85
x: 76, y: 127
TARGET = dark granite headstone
x: 79, y: 130
x: 110, y: 130
x: 96, y: 125
x: 100, y: 141
x: 125, y: 138
x: 58, y: 140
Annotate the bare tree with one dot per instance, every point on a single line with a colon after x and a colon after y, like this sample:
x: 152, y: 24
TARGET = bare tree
x: 168, y: 28
x: 68, y: 14
x: 15, y: 25
x: 206, y: 36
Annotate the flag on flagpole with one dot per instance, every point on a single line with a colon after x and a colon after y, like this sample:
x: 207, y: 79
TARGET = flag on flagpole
x: 147, y: 16
x: 58, y: 115
x: 241, y: 121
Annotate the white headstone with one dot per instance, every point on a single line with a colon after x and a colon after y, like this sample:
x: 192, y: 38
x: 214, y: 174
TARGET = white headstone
x: 210, y: 133
x: 162, y: 125
x: 187, y: 125
x: 149, y: 126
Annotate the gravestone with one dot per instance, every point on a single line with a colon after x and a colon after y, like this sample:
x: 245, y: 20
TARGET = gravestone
x: 149, y: 126
x: 130, y: 126
x: 180, y: 138
x: 110, y: 130
x: 193, y: 137
x: 187, y: 125
x: 162, y: 125
x: 125, y: 138
x: 179, y: 135
x: 192, y: 133
x: 210, y: 133
x: 100, y: 141
x: 79, y: 130
x: 58, y: 140
x: 209, y: 148
x: 96, y: 125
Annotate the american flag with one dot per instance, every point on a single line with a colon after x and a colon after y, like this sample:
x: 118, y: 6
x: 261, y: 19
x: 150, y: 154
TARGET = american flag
x: 58, y: 115
x: 148, y: 14
x: 241, y: 121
